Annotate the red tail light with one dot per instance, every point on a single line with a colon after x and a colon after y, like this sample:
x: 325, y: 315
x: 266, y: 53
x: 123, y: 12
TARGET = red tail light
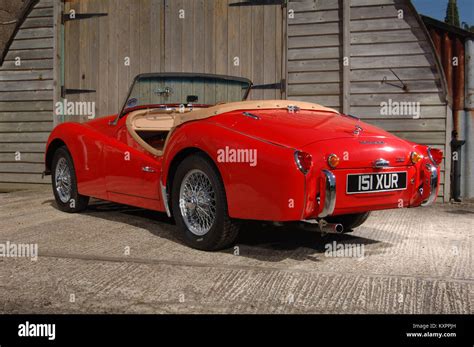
x: 435, y: 155
x: 303, y: 161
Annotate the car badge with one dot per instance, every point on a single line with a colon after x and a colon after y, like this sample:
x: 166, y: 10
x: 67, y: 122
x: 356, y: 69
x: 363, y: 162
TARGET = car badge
x: 357, y: 130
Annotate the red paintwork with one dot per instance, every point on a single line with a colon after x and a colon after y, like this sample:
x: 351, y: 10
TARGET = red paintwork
x: 272, y: 190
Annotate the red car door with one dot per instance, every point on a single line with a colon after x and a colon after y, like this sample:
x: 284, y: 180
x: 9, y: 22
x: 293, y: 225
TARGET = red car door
x: 128, y: 170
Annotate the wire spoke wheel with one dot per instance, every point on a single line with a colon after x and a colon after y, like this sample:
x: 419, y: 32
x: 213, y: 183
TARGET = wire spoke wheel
x: 62, y: 180
x: 197, y: 202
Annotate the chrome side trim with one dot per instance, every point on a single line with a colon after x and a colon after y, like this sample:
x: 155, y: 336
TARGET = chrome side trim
x: 164, y: 196
x: 330, y: 198
x: 433, y: 184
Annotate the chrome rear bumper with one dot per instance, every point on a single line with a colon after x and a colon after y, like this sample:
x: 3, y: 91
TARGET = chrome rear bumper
x: 329, y: 202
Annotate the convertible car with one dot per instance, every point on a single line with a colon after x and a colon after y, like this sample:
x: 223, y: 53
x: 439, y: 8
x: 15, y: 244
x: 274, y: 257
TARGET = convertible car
x: 191, y: 145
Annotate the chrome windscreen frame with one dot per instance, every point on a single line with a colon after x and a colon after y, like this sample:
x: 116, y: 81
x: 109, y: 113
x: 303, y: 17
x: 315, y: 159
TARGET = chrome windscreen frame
x: 330, y: 194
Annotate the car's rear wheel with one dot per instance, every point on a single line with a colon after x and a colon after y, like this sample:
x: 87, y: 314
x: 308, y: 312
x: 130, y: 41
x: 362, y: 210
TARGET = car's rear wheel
x: 199, y: 205
x: 64, y: 182
x: 349, y: 221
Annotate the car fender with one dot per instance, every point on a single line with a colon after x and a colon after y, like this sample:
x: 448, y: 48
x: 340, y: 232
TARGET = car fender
x: 269, y: 188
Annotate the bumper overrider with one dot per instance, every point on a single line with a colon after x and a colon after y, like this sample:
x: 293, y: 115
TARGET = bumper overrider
x: 432, y: 171
x: 328, y: 190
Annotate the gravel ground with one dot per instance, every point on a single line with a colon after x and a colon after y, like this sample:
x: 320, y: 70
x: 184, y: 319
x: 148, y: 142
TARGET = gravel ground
x: 118, y: 259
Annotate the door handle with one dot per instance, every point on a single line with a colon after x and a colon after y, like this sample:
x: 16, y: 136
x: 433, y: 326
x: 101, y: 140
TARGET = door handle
x: 148, y: 169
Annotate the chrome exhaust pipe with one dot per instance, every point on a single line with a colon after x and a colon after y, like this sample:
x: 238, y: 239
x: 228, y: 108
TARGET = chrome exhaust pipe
x: 322, y: 226
x: 330, y: 228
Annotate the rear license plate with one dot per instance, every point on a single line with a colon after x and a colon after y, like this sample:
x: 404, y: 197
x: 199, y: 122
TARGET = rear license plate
x: 376, y: 182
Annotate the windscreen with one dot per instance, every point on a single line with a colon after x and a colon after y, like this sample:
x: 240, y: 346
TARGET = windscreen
x: 185, y: 90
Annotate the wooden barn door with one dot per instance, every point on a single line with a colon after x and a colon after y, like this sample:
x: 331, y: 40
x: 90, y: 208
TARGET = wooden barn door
x: 108, y: 42
x: 228, y: 37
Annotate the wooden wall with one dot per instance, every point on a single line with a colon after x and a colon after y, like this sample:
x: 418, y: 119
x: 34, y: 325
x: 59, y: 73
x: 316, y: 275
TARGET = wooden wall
x: 376, y: 40
x: 26, y: 98
x: 155, y: 38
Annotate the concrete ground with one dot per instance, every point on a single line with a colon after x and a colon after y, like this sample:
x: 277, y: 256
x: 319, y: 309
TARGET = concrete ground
x: 415, y: 261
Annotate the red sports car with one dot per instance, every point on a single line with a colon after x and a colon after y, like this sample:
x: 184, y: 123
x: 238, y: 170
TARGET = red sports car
x: 187, y: 145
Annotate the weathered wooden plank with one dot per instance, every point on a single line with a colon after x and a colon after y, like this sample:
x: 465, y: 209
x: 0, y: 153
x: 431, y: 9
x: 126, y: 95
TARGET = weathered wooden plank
x: 32, y: 43
x: 425, y: 138
x: 18, y: 106
x: 385, y: 49
x: 25, y: 157
x: 41, y: 12
x: 24, y: 34
x: 102, y: 103
x: 314, y: 17
x: 313, y: 29
x: 72, y: 74
x: 314, y: 77
x: 221, y: 17
x: 245, y: 42
x: 144, y: 36
x: 24, y: 137
x: 44, y: 3
x: 188, y: 39
x: 366, y: 112
x: 26, y: 126
x: 20, y: 167
x: 156, y: 35
x: 314, y: 65
x: 46, y: 53
x: 315, y: 5
x: 233, y: 30
x: 269, y: 49
x: 314, y: 53
x: 23, y: 178
x: 38, y: 147
x: 134, y: 39
x: 27, y: 96
x: 25, y: 75
x: 29, y: 65
x: 314, y: 89
x: 84, y: 56
x: 346, y: 53
x: 405, y: 74
x: 32, y: 116
x: 377, y: 99
x: 24, y: 86
x: 406, y: 35
x: 394, y: 87
x: 113, y: 59
x: 281, y: 51
x: 378, y: 12
x: 355, y: 3
x: 314, y: 41
x: 383, y: 24
x: 257, y: 51
x: 325, y: 100
x: 392, y: 62
x: 43, y: 22
x: 404, y: 123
